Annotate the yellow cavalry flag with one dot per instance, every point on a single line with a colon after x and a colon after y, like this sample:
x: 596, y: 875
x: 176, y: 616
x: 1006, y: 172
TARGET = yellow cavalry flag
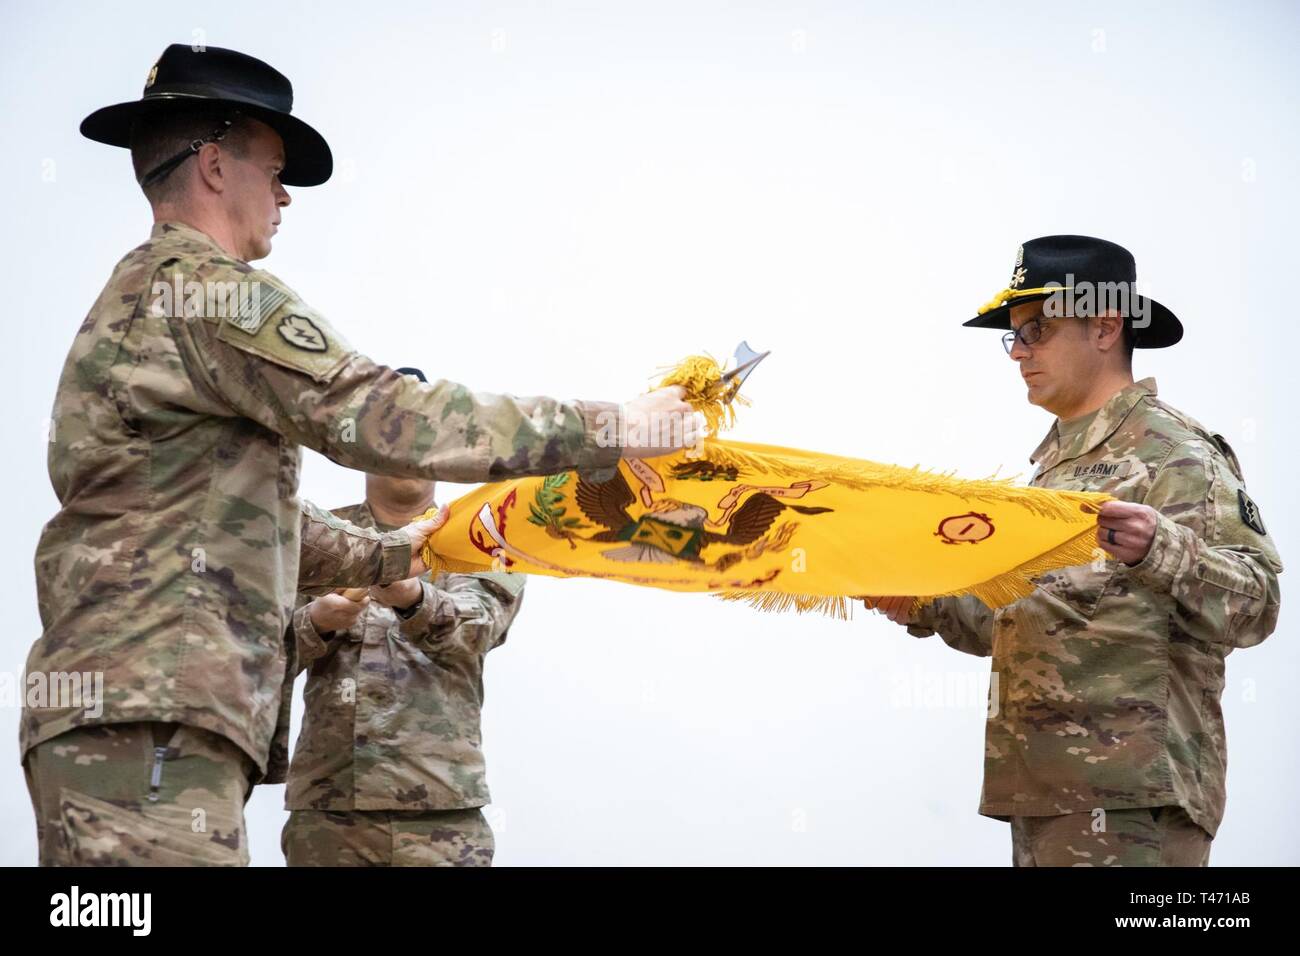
x: 778, y: 527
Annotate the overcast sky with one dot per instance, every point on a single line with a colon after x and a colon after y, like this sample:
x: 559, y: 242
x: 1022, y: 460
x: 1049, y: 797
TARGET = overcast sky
x: 560, y: 198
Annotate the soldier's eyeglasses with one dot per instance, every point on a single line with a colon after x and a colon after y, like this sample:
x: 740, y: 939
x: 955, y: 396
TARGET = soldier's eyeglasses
x: 1029, y: 333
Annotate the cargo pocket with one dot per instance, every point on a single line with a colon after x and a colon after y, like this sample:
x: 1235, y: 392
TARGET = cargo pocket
x: 1080, y: 588
x: 99, y: 833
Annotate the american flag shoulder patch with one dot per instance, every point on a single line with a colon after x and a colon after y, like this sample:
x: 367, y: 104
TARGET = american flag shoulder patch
x: 255, y: 308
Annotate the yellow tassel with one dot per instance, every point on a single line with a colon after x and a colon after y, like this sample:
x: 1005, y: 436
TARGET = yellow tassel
x: 701, y: 378
x: 1007, y: 295
x: 995, y: 302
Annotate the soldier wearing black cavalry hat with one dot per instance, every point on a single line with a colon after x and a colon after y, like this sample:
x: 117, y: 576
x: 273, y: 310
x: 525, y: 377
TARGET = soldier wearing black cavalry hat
x: 1106, y: 744
x: 171, y: 567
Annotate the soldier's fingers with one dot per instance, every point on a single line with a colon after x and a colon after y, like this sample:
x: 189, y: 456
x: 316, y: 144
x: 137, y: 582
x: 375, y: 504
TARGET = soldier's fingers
x: 1119, y: 509
x: 1111, y: 541
x: 1117, y: 519
x: 427, y: 526
x: 1131, y: 529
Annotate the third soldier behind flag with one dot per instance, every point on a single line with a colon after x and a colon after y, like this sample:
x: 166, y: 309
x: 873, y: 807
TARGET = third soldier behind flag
x: 388, y: 769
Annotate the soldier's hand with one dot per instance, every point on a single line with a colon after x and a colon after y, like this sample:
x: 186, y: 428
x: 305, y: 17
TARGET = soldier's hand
x: 1133, y: 526
x: 399, y: 594
x: 418, y: 532
x: 335, y: 612
x: 897, y: 608
x: 659, y: 423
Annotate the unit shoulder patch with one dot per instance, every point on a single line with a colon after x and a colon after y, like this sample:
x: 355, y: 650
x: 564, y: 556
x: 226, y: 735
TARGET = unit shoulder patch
x: 302, y: 333
x: 292, y: 334
x: 1249, y: 512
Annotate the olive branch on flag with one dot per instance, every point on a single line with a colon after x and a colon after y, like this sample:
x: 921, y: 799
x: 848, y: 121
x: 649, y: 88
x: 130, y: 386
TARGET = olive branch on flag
x: 547, y: 510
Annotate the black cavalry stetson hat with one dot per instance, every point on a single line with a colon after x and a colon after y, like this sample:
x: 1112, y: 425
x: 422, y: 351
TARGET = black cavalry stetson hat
x: 217, y: 79
x: 1081, y: 269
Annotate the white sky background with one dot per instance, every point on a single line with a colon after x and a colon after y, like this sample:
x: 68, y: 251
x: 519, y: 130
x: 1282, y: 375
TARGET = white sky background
x: 562, y: 198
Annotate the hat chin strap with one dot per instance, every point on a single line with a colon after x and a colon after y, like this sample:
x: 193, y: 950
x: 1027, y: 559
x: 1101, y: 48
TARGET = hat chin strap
x: 1001, y: 298
x: 164, y: 169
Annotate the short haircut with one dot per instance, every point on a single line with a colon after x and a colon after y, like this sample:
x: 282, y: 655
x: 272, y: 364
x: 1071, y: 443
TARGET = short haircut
x: 156, y: 139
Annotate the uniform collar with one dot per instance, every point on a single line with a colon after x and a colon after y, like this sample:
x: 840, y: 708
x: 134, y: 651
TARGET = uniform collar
x: 174, y: 229
x: 365, y: 518
x: 1051, y: 452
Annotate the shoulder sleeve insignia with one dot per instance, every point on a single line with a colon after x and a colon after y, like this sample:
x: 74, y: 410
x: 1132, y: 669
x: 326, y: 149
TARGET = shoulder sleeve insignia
x: 1250, y: 512
x: 302, y: 333
x: 256, y: 307
x: 284, y: 330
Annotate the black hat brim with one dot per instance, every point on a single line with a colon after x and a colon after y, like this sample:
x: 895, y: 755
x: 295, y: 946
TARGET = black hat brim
x: 1163, y: 331
x: 307, y: 157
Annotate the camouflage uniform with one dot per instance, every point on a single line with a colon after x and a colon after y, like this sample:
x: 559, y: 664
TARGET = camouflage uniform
x: 1151, y: 836
x: 387, y: 838
x: 140, y: 793
x: 388, y: 767
x: 171, y: 566
x: 1110, y: 676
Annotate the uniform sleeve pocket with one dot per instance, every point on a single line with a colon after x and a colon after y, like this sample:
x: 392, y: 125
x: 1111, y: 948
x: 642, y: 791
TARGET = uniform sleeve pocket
x: 295, y: 337
x: 1229, y: 580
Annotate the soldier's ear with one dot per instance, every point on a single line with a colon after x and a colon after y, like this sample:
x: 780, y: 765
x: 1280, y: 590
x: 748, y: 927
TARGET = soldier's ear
x: 211, y: 166
x: 1109, y: 331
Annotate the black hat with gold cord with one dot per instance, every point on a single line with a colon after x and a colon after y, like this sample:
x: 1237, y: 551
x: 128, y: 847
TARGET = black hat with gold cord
x: 1087, y: 276
x: 230, y: 84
